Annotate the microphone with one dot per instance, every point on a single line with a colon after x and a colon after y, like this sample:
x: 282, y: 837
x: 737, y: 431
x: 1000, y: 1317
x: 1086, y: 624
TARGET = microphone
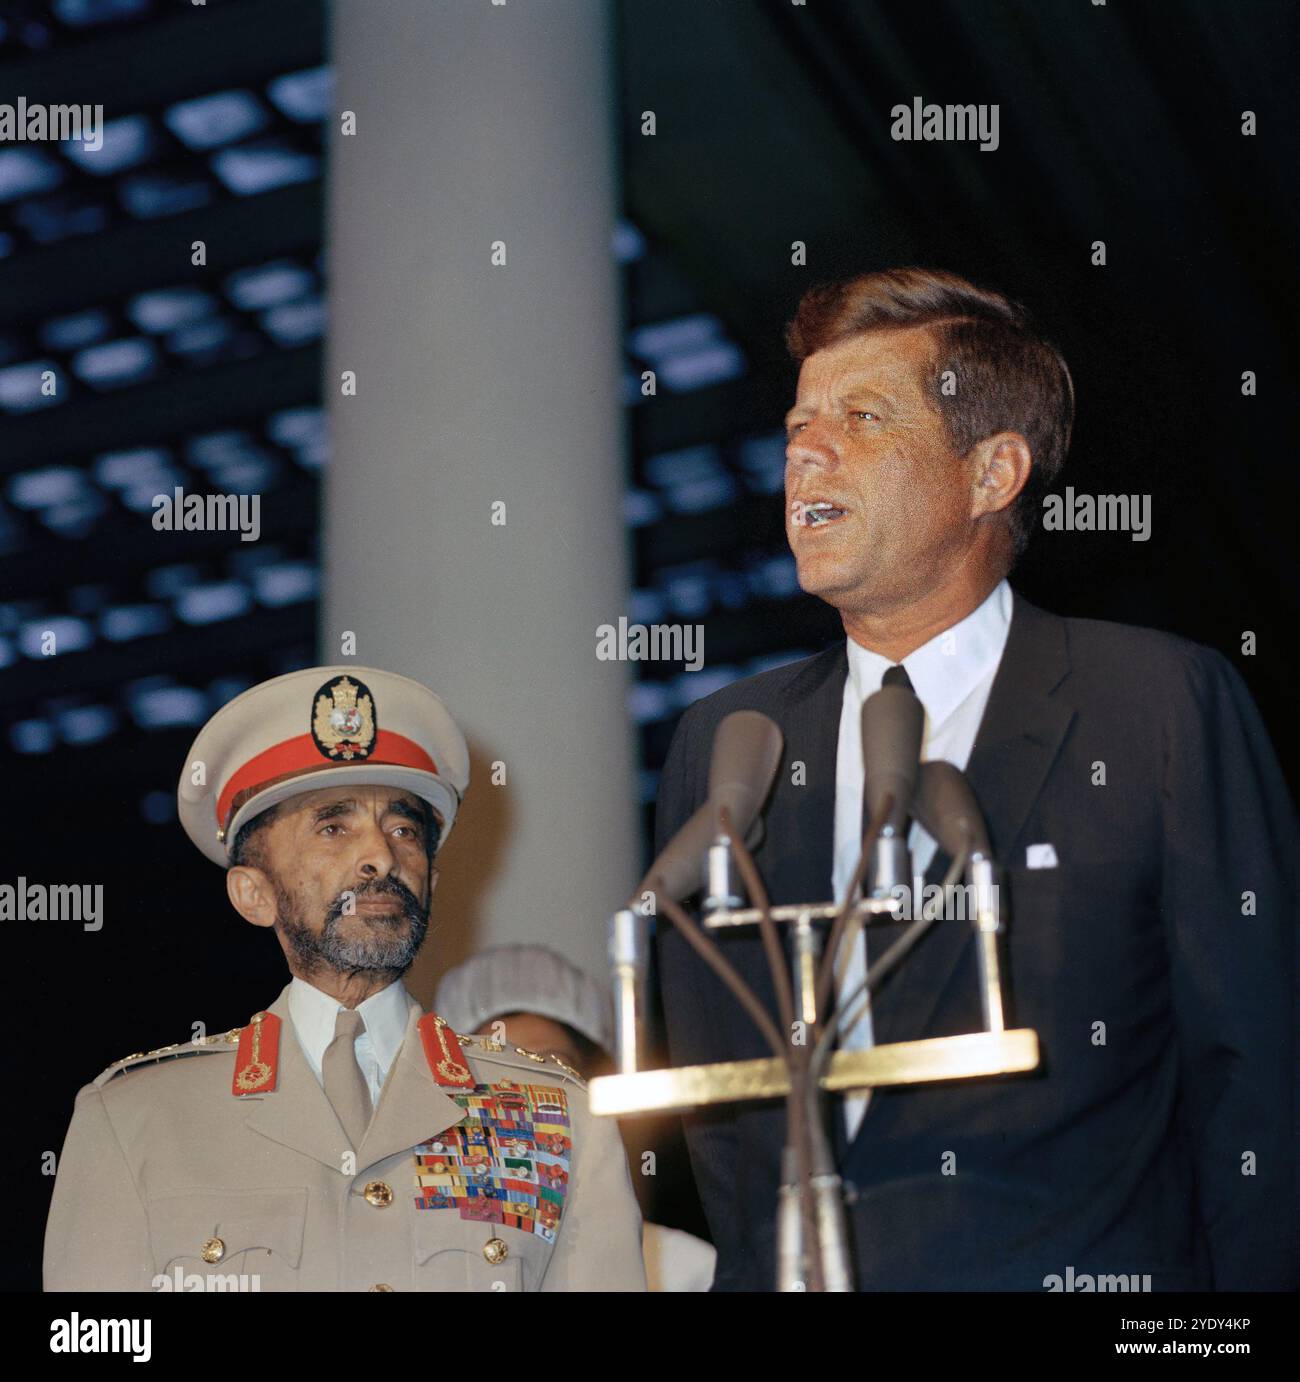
x: 892, y: 723
x: 677, y: 869
x: 946, y: 806
x: 746, y: 754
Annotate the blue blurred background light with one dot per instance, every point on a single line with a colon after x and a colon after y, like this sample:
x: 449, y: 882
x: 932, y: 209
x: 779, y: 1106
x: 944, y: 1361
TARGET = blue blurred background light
x: 76, y: 330
x: 260, y: 167
x: 306, y: 97
x: 124, y: 623
x: 127, y: 143
x: 213, y: 602
x: 116, y: 364
x: 87, y: 724
x: 660, y: 341
x: 152, y: 193
x: 25, y: 170
x: 703, y: 368
x: 164, y: 706
x: 221, y: 118
x: 165, y: 309
x: 89, y: 13
x: 23, y: 387
x: 268, y: 285
x: 32, y: 736
x: 41, y: 489
x: 61, y: 634
x: 295, y: 323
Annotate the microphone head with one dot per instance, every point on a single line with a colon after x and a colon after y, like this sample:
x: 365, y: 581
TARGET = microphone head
x: 892, y: 722
x: 746, y: 754
x: 676, y: 872
x: 945, y: 805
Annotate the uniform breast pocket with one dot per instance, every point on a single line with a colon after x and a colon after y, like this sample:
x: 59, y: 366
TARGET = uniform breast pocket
x: 228, y: 1240
x: 455, y: 1254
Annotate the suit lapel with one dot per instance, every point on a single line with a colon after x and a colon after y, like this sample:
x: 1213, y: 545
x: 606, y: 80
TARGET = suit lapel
x: 1019, y: 738
x: 798, y: 851
x: 299, y: 1116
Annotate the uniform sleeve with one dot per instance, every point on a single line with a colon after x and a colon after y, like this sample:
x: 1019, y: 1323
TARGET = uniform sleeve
x: 598, y: 1247
x: 97, y: 1234
x: 1230, y: 913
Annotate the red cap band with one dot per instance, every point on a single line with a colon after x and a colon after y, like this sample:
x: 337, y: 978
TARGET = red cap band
x: 301, y: 755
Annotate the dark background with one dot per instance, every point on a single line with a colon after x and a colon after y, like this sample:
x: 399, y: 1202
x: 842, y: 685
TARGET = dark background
x: 1119, y: 123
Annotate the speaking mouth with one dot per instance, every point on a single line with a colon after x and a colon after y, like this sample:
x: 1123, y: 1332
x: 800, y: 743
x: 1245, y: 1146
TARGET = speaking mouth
x: 818, y: 515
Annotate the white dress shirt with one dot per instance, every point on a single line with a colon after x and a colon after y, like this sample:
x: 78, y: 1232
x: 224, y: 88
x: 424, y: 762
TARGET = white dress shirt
x: 314, y: 1014
x: 952, y: 675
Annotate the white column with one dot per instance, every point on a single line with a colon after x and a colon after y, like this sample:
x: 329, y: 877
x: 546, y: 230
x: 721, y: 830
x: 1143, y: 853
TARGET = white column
x: 483, y: 127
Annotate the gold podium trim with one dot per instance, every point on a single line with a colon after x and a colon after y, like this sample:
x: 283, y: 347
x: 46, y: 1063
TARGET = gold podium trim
x: 898, y: 1063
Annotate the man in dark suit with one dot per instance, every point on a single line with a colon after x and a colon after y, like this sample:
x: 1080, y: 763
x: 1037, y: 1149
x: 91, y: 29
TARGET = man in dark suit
x: 1147, y: 841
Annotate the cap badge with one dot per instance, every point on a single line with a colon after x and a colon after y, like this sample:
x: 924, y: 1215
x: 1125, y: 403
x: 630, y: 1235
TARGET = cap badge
x: 343, y: 719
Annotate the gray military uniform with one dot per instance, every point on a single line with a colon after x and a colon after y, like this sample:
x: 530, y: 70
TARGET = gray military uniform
x: 168, y: 1180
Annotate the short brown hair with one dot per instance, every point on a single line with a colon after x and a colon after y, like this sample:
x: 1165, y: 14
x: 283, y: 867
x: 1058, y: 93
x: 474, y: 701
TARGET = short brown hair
x: 1009, y: 378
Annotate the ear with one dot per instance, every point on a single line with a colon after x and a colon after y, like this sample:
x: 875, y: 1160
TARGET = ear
x: 251, y: 895
x: 434, y: 875
x: 1000, y: 470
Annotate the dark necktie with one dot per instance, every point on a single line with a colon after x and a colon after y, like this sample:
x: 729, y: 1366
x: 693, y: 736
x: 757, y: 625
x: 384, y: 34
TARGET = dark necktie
x: 896, y: 676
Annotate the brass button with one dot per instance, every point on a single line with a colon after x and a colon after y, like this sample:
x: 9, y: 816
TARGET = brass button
x: 378, y: 1194
x: 381, y: 1286
x: 213, y: 1250
x: 495, y: 1251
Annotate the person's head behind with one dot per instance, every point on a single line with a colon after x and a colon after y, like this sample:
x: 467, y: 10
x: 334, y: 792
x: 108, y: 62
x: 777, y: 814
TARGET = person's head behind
x: 934, y: 415
x: 345, y: 875
x: 530, y: 995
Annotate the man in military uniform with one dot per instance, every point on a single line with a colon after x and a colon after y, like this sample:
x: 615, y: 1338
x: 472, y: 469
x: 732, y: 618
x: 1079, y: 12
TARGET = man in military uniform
x: 342, y: 1140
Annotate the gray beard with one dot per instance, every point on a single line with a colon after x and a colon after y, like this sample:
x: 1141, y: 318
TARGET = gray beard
x: 390, y: 944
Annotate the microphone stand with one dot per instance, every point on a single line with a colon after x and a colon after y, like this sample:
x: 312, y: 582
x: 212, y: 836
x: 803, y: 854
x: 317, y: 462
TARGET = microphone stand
x: 812, y: 1246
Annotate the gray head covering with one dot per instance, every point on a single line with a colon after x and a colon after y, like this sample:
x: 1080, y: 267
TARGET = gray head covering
x: 525, y: 979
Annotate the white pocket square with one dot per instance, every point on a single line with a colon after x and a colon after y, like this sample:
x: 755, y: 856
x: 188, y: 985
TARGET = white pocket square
x: 1040, y: 857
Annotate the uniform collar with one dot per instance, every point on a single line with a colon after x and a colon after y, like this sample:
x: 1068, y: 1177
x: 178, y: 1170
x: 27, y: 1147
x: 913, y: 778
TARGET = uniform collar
x: 385, y: 1014
x: 296, y: 1113
x: 951, y: 665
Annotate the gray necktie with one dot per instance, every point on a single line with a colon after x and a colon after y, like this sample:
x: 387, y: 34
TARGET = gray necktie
x: 896, y: 676
x: 345, y: 1085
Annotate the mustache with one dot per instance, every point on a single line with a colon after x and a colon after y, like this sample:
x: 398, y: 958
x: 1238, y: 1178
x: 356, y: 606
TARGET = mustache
x: 380, y: 887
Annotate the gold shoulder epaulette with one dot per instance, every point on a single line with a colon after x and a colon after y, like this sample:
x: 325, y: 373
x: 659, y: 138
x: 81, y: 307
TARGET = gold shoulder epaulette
x: 568, y: 1070
x: 226, y: 1041
x: 488, y: 1049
